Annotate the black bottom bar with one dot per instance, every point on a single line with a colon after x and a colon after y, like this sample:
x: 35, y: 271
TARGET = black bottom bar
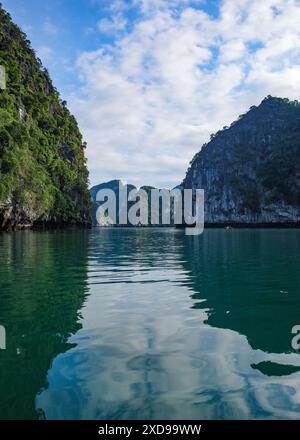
x: 146, y: 429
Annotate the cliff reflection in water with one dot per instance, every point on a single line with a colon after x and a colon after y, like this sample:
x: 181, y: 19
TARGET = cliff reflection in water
x: 183, y: 327
x: 250, y: 281
x: 43, y: 285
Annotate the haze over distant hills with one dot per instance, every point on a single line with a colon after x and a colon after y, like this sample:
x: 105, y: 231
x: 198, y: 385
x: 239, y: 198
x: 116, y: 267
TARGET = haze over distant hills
x: 103, y: 219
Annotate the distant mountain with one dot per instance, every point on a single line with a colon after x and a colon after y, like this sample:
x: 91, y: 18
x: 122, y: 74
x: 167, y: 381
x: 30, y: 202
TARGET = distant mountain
x: 43, y: 173
x: 114, y: 185
x: 250, y: 171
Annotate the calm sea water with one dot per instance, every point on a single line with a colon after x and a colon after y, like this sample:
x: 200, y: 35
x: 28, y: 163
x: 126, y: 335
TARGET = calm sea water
x: 150, y: 324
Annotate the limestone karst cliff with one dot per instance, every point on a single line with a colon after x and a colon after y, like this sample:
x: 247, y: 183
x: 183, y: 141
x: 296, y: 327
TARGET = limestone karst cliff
x: 43, y: 173
x: 250, y: 171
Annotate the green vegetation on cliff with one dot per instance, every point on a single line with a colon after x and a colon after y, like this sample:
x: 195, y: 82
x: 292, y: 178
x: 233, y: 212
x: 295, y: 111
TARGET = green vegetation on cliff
x: 43, y: 173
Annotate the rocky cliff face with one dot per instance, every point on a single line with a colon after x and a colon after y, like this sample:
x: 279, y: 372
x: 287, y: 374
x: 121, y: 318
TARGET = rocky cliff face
x: 43, y: 174
x: 251, y: 171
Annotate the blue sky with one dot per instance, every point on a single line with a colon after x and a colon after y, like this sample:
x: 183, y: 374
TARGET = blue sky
x: 149, y: 80
x: 61, y: 29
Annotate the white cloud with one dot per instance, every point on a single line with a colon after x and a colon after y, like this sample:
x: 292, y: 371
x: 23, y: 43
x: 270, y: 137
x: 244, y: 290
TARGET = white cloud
x: 117, y: 23
x: 151, y: 100
x: 233, y: 50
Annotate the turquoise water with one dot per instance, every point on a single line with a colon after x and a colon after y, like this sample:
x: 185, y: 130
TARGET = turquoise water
x: 150, y: 324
